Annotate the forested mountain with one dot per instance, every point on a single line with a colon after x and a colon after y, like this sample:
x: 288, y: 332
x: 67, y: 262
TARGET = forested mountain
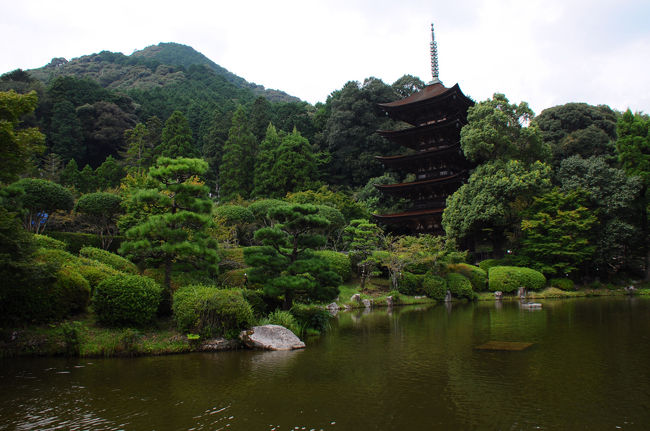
x: 156, y: 66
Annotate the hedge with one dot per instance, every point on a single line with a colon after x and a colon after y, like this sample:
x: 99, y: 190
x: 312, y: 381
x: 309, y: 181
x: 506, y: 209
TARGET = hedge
x: 477, y: 276
x: 75, y: 241
x: 44, y: 241
x: 210, y: 312
x: 338, y: 262
x: 510, y: 278
x: 434, y: 286
x: 95, y: 272
x: 111, y: 259
x: 410, y: 284
x: 562, y: 283
x: 125, y: 300
x: 459, y: 286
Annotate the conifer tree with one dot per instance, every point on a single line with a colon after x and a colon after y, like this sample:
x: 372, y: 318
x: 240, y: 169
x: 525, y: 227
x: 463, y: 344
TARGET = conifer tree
x: 138, y: 153
x: 295, y: 165
x: 238, y: 162
x: 264, y: 182
x: 177, y: 138
x: 176, y: 237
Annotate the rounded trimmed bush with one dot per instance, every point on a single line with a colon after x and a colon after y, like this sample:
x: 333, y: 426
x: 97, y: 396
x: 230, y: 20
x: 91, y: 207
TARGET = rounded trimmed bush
x: 434, y: 286
x: 44, y: 241
x: 55, y: 257
x: 410, y: 284
x: 95, y: 272
x: 562, y: 283
x: 459, y: 286
x: 234, y: 214
x: 210, y: 312
x: 124, y: 300
x: 338, y: 262
x: 110, y: 259
x: 476, y: 275
x: 510, y: 278
x: 71, y: 291
x: 261, y: 208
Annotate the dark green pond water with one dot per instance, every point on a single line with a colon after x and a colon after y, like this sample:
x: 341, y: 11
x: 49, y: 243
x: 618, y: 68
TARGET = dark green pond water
x: 412, y: 368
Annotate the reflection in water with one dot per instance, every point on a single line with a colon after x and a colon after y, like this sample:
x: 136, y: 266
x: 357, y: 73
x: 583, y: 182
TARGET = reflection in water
x: 405, y: 368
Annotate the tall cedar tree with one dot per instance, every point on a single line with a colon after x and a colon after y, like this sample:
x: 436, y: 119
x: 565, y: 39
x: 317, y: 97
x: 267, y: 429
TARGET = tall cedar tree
x: 633, y: 147
x: 177, y: 237
x: 138, y: 152
x: 238, y: 163
x: 285, y: 264
x: 177, y: 138
x: 264, y: 161
x: 294, y: 168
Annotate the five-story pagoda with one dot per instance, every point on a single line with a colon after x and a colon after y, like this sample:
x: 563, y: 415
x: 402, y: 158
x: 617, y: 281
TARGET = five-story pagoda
x: 436, y: 115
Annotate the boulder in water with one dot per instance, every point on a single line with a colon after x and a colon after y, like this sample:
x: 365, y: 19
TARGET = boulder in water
x: 270, y: 337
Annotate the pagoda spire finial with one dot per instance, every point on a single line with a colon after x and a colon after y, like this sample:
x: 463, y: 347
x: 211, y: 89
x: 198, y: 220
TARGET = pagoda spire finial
x: 434, y: 59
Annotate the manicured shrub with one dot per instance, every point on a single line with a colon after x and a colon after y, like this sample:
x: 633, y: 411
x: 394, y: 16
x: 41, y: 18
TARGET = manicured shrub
x: 261, y: 208
x: 95, y: 272
x: 110, y: 259
x: 210, y: 312
x: 338, y: 262
x: 459, y: 286
x: 311, y: 317
x: 125, y: 300
x: 234, y: 214
x: 55, y: 257
x: 486, y: 264
x: 71, y: 291
x: 511, y: 278
x: 75, y: 241
x: 476, y: 275
x: 562, y: 283
x: 434, y: 286
x: 44, y: 241
x: 411, y: 284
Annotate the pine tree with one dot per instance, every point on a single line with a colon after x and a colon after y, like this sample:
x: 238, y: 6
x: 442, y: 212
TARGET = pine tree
x: 177, y: 237
x: 238, y: 163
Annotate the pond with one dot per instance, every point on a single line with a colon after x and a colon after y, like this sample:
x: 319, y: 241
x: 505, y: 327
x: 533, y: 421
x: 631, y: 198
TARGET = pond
x: 409, y: 368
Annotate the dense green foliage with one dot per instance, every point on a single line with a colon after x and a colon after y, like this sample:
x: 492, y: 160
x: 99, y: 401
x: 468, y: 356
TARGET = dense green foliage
x: 411, y: 284
x: 477, y: 276
x: 177, y: 237
x: 434, y: 286
x: 311, y: 317
x: 510, y: 278
x: 459, y: 286
x: 101, y: 210
x: 126, y: 300
x: 39, y: 199
x: 338, y: 262
x: 44, y: 241
x: 211, y: 312
x: 113, y: 260
x: 285, y: 264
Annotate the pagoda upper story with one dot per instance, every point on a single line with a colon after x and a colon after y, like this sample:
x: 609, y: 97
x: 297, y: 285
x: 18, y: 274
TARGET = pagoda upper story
x: 436, y: 115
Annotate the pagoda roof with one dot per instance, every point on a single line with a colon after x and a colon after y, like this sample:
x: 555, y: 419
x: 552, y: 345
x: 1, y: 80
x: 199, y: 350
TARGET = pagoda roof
x: 403, y: 158
x: 408, y: 214
x: 423, y: 130
x: 410, y: 109
x: 417, y: 184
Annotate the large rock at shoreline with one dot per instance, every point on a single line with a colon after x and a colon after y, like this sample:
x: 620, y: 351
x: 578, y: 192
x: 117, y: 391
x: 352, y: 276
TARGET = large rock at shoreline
x: 271, y: 337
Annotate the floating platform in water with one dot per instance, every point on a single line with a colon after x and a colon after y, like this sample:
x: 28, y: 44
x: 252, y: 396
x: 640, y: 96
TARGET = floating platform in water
x: 504, y: 345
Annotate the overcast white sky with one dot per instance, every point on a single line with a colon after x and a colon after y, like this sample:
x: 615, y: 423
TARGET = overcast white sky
x: 546, y: 52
